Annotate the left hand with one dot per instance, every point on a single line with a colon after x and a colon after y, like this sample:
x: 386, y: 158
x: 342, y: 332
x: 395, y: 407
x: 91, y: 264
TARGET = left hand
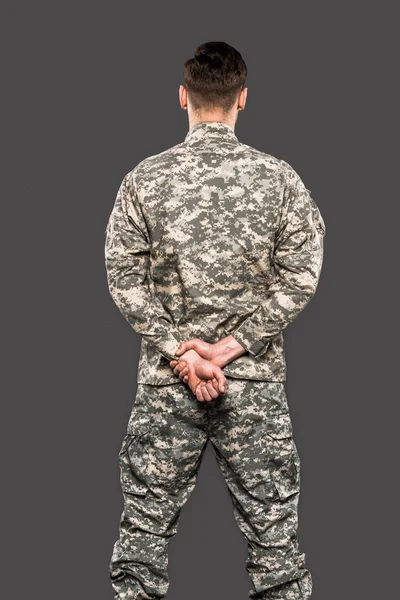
x: 205, y: 349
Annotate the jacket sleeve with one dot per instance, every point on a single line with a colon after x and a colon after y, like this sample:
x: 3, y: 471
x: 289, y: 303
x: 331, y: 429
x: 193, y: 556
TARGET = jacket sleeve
x: 127, y: 252
x: 297, y: 261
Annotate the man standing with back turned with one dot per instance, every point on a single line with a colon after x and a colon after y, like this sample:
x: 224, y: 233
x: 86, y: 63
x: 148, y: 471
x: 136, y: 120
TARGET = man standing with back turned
x: 212, y: 249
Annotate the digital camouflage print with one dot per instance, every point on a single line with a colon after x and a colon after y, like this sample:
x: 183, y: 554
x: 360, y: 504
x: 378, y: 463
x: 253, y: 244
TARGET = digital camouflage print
x: 209, y: 238
x: 251, y: 433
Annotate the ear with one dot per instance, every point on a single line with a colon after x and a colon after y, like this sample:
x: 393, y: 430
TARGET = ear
x: 242, y: 98
x: 183, y: 97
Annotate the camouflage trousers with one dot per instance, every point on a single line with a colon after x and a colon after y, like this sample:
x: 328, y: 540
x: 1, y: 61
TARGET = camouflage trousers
x: 251, y: 432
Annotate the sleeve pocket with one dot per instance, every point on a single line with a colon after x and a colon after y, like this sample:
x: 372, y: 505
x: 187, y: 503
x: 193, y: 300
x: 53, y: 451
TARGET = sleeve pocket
x: 318, y: 220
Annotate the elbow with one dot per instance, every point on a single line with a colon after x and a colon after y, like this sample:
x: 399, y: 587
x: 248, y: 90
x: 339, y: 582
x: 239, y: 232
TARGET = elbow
x: 309, y: 293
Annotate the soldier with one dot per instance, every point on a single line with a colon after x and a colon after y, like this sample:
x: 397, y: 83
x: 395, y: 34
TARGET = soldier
x: 212, y: 249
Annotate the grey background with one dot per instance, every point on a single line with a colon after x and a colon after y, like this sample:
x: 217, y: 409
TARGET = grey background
x: 90, y: 89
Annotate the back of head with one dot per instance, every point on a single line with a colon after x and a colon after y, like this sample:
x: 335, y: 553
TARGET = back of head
x: 214, y: 77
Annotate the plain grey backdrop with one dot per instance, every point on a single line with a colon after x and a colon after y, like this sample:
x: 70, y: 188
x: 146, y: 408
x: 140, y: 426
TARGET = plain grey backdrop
x: 88, y: 90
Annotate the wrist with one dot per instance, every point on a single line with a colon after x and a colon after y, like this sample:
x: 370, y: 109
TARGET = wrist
x: 226, y: 350
x: 190, y: 355
x: 219, y: 360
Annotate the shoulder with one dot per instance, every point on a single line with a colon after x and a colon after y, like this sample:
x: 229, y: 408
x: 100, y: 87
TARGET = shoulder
x: 286, y: 176
x: 260, y: 157
x: 291, y: 178
x: 302, y: 196
x: 159, y: 163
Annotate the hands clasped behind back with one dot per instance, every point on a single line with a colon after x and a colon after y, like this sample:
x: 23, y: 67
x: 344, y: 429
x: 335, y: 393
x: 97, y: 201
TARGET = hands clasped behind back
x: 200, y: 365
x: 205, y: 379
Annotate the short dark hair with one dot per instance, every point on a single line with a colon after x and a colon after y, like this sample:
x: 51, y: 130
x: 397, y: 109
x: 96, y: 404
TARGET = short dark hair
x: 214, y: 76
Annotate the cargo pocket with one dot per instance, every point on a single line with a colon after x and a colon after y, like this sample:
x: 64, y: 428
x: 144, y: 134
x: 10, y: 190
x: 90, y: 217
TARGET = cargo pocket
x: 172, y: 459
x: 283, y: 457
x: 133, y: 457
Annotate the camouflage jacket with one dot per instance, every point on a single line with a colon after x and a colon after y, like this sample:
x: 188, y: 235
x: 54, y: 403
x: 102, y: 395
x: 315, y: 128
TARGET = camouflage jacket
x: 208, y: 238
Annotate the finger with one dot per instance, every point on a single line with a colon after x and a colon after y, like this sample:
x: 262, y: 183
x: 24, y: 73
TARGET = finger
x: 211, y: 390
x: 215, y: 385
x: 220, y: 377
x: 178, y: 368
x: 206, y: 393
x: 184, y: 347
x: 186, y: 378
x: 181, y: 364
x: 199, y: 393
x: 180, y: 349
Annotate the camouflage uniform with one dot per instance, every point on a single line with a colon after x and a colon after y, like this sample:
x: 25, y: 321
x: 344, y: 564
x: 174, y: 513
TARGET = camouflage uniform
x: 206, y: 239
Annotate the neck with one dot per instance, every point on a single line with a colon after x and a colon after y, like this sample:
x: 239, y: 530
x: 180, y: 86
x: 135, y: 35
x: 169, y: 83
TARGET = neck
x: 210, y: 117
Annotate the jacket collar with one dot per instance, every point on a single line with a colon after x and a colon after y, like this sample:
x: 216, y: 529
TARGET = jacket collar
x: 211, y: 132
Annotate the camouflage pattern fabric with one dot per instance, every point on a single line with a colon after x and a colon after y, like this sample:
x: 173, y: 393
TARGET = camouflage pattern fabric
x: 209, y: 238
x: 251, y: 432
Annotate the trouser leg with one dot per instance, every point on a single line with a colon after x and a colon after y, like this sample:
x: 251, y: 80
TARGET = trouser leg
x: 159, y: 460
x: 251, y: 431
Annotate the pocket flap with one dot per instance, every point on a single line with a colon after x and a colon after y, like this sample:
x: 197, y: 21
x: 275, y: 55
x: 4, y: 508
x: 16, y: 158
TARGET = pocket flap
x: 280, y: 426
x: 133, y: 458
x: 131, y: 485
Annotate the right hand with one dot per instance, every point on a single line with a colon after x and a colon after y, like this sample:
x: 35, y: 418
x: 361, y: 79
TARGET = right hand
x: 195, y: 370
